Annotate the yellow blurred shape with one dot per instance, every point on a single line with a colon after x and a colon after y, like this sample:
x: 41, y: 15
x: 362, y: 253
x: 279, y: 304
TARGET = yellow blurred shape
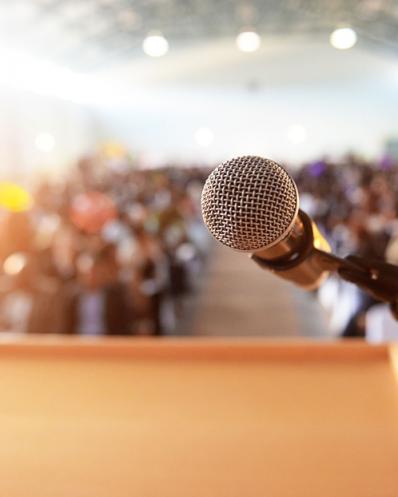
x: 14, y: 263
x: 14, y: 198
x: 114, y: 150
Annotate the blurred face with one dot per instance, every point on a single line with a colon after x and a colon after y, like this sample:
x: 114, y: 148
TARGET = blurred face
x: 26, y: 279
x: 93, y: 278
x: 356, y: 221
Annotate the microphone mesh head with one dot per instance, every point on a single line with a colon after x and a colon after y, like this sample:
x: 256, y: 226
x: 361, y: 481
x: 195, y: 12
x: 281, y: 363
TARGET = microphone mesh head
x: 249, y: 203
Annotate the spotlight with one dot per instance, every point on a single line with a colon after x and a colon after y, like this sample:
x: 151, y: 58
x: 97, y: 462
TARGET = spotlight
x: 297, y: 134
x: 204, y: 137
x: 343, y: 38
x: 248, y: 41
x: 45, y: 142
x: 155, y: 45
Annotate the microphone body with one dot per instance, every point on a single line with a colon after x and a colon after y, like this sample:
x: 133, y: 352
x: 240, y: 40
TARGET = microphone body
x: 296, y: 258
x: 251, y: 204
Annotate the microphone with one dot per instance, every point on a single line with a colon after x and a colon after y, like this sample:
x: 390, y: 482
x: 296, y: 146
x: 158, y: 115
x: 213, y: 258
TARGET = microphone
x: 251, y: 204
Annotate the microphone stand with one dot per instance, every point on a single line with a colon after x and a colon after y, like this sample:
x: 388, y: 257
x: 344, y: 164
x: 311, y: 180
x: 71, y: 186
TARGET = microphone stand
x: 377, y: 278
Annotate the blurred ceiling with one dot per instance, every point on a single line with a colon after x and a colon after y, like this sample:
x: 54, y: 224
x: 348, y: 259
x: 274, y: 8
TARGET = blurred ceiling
x: 92, y: 34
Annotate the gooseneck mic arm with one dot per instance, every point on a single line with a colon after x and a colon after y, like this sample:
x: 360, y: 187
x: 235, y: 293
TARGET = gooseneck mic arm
x: 377, y: 278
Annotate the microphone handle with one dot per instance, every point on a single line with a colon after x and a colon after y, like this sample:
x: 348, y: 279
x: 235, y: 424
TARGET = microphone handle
x: 309, y: 273
x: 377, y: 278
x: 304, y: 263
x: 310, y: 262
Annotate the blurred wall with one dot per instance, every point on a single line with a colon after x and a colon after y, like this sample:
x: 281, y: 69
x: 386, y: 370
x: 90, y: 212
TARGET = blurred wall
x: 295, y: 99
x: 42, y: 134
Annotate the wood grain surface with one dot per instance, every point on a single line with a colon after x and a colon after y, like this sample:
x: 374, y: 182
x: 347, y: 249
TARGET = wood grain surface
x: 197, y: 418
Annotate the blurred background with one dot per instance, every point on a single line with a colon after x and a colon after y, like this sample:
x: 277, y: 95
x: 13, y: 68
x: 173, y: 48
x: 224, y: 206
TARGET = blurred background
x: 113, y: 113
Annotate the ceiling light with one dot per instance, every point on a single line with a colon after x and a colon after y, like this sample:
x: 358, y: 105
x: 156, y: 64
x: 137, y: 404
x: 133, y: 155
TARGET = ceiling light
x: 204, y: 137
x: 44, y: 142
x: 297, y: 134
x: 155, y: 45
x: 248, y: 41
x: 343, y: 38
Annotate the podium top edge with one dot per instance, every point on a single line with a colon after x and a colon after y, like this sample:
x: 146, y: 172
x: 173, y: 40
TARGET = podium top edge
x: 190, y: 348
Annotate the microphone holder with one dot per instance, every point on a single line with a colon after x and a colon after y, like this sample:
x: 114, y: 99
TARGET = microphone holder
x: 377, y: 278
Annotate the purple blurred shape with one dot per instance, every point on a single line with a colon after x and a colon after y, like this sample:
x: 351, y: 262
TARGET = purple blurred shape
x: 317, y: 168
x: 386, y: 162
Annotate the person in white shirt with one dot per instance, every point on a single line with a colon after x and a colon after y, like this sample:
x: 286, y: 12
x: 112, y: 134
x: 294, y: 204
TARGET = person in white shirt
x: 380, y: 325
x: 99, y: 304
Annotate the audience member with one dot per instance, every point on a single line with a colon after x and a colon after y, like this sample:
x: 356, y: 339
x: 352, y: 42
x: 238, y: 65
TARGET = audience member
x: 355, y: 203
x: 104, y: 242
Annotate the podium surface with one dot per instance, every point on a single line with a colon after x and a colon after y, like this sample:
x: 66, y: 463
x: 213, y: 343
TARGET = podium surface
x: 197, y: 418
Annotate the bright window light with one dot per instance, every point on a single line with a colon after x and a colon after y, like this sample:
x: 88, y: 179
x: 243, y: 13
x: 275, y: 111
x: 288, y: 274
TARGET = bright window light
x: 45, y: 142
x: 343, y: 38
x: 155, y: 45
x: 248, y: 41
x: 204, y: 137
x: 21, y: 71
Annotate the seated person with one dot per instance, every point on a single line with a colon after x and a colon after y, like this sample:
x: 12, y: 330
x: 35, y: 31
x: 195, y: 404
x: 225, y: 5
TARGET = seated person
x: 98, y: 304
x: 30, y: 302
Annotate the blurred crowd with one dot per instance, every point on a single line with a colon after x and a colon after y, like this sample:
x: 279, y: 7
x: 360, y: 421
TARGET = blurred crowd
x: 109, y: 249
x: 119, y: 250
x: 355, y: 203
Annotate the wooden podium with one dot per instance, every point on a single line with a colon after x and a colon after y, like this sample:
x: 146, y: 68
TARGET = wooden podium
x: 197, y: 418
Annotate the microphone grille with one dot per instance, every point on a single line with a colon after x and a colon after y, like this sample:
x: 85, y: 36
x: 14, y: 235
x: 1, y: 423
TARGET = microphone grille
x: 249, y: 203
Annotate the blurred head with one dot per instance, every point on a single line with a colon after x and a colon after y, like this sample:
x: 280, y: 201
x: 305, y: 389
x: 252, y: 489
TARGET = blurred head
x: 90, y: 272
x: 99, y: 270
x: 23, y: 270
